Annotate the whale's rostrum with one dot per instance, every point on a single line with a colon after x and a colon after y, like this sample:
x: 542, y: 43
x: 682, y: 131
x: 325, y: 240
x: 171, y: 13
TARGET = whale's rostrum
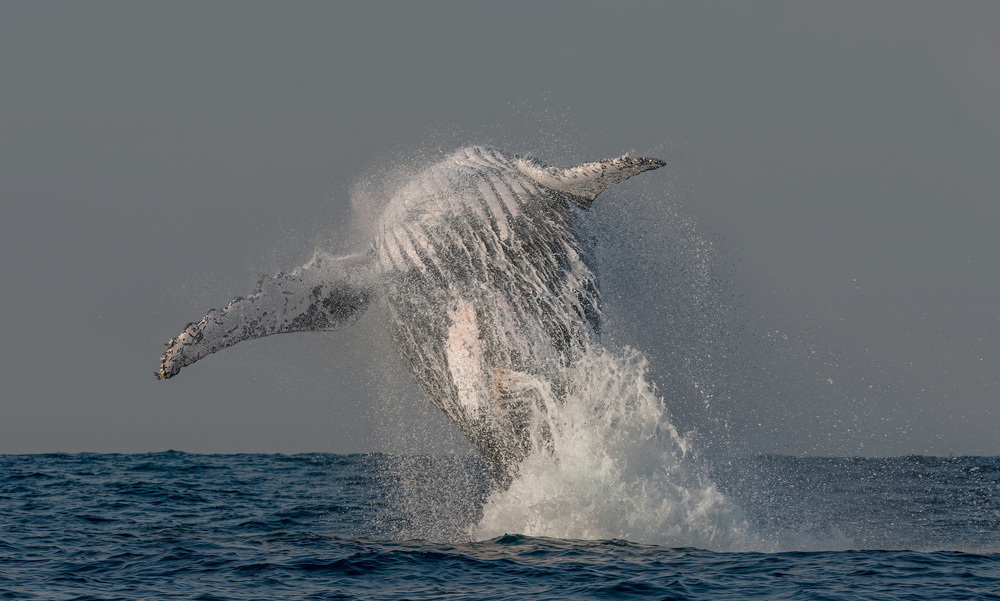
x: 491, y: 292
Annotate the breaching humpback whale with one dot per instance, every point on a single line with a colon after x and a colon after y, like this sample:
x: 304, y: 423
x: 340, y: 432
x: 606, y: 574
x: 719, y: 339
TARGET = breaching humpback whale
x: 490, y: 290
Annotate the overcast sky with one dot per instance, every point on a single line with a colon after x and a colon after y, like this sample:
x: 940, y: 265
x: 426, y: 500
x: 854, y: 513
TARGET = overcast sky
x: 842, y: 158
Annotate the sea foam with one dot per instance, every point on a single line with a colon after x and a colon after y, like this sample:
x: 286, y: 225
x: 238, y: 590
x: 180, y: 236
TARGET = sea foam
x: 614, y: 468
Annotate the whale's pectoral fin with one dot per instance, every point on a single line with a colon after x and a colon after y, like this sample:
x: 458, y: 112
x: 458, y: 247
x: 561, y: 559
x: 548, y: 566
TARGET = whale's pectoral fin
x: 326, y: 293
x: 584, y: 182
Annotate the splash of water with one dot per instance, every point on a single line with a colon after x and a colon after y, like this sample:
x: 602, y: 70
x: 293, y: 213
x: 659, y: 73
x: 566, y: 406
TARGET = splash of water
x: 605, y: 460
x: 617, y: 469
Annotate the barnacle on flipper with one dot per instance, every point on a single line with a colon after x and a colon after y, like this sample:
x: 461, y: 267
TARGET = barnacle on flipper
x: 162, y: 374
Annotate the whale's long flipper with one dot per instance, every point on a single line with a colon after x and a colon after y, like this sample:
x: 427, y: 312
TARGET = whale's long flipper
x: 326, y: 293
x: 584, y: 182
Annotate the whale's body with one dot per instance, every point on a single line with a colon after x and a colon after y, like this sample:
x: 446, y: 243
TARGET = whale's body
x: 490, y: 290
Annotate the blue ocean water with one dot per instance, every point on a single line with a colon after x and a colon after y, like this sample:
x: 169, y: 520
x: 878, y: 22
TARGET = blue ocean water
x: 181, y: 526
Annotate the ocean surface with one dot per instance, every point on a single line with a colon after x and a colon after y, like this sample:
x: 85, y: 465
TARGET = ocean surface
x: 181, y: 526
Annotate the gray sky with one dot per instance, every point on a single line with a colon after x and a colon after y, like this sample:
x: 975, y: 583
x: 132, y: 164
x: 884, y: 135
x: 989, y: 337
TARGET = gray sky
x: 155, y: 157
